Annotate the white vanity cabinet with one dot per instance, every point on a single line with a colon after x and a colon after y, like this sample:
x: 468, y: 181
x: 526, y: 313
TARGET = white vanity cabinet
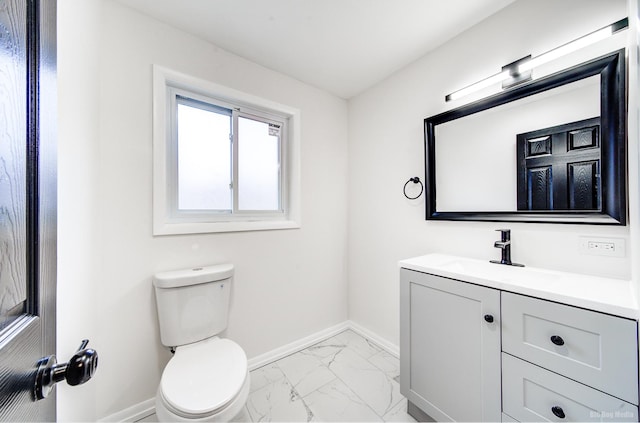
x: 450, y: 347
x: 475, y: 350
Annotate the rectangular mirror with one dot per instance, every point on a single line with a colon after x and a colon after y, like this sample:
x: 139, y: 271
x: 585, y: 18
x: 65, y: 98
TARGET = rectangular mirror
x: 551, y: 150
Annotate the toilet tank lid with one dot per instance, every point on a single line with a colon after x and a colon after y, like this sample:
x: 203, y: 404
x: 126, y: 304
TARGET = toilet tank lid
x: 178, y: 278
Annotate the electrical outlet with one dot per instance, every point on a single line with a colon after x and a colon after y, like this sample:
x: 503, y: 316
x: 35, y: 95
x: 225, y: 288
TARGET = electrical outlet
x: 609, y: 247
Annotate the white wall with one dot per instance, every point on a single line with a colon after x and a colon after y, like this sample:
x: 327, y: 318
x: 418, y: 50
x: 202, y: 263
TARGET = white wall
x: 78, y: 196
x: 288, y: 284
x: 386, y: 149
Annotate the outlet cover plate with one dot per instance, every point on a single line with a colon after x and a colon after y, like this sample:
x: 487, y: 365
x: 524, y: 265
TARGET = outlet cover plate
x: 600, y: 246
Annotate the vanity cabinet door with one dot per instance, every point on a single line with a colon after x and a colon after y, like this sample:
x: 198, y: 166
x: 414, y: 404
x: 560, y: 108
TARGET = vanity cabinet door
x: 450, y: 347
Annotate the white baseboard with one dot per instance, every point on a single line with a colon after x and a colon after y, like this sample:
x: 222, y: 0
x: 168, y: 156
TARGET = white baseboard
x: 389, y: 347
x: 300, y: 344
x: 134, y: 413
x: 147, y: 408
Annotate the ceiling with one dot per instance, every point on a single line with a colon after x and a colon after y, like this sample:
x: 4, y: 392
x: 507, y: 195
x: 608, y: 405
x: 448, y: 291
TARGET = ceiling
x: 341, y: 46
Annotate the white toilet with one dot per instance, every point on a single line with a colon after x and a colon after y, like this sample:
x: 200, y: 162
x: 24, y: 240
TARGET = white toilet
x: 207, y: 379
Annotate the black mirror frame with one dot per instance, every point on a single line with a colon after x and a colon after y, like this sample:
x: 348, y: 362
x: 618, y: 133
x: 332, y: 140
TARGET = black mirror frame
x: 613, y: 100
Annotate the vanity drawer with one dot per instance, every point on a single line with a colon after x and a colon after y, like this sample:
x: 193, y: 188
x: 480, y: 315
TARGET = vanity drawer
x: 596, y: 349
x: 531, y: 393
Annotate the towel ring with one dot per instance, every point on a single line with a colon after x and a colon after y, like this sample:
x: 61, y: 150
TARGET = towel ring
x: 415, y: 180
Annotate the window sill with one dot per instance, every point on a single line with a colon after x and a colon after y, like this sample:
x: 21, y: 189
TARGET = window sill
x: 215, y: 227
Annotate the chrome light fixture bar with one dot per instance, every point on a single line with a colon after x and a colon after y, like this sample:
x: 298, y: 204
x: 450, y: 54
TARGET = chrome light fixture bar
x: 522, y: 66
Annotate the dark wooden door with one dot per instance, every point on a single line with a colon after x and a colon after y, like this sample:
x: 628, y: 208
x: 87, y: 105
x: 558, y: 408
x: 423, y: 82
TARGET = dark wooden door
x: 27, y: 203
x: 559, y: 167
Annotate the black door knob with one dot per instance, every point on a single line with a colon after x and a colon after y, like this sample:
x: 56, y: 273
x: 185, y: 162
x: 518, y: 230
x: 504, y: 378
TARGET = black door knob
x: 488, y: 318
x: 82, y: 365
x: 558, y: 412
x: 77, y: 371
x: 557, y: 340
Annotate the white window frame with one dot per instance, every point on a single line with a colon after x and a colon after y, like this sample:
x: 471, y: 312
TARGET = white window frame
x: 167, y: 219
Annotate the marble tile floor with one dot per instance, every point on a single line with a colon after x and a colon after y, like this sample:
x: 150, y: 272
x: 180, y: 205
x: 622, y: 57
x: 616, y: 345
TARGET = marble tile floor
x: 343, y: 379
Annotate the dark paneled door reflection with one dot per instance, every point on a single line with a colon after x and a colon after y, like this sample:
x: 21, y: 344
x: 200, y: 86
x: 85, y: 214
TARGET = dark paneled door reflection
x: 559, y: 167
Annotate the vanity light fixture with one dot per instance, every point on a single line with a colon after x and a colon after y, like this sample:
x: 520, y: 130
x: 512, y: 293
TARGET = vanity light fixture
x: 519, y: 71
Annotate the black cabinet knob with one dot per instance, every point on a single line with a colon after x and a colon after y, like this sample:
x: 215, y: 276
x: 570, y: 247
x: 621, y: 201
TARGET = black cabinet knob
x: 488, y: 318
x: 557, y: 340
x: 558, y: 412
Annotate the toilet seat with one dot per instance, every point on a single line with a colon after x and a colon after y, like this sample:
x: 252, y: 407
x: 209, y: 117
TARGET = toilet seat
x: 204, y: 377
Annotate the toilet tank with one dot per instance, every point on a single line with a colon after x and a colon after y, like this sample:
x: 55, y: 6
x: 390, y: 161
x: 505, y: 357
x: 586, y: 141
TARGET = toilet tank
x: 193, y: 304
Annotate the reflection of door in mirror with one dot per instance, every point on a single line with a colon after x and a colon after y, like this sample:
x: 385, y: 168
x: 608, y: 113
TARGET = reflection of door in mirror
x: 559, y: 167
x: 476, y: 154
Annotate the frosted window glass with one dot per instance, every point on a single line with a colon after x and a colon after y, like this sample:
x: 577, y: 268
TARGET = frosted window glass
x: 204, y: 160
x: 258, y: 165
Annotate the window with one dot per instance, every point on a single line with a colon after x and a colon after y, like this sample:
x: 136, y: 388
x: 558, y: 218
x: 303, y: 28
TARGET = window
x: 227, y: 160
x: 223, y: 160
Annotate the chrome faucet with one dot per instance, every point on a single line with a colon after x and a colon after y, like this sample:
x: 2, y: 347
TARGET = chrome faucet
x: 505, y: 245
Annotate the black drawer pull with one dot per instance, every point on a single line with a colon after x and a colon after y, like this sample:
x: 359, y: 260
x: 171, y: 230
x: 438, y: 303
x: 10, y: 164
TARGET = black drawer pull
x: 557, y: 340
x: 488, y: 318
x: 558, y: 412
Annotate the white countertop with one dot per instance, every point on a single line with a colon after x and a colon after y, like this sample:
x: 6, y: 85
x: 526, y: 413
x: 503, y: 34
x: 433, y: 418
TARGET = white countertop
x: 607, y: 295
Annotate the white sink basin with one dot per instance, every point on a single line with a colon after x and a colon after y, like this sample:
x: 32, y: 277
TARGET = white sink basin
x: 614, y: 296
x: 499, y: 272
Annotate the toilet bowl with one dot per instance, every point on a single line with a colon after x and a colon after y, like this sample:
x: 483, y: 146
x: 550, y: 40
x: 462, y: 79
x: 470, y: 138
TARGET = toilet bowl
x: 204, y: 381
x: 207, y: 379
